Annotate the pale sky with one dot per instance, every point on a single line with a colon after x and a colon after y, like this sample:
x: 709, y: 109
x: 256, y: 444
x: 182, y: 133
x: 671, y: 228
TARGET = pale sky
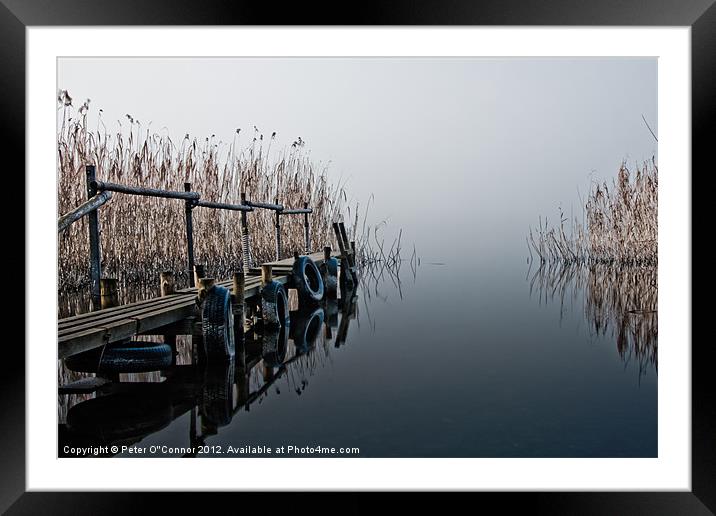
x: 457, y: 151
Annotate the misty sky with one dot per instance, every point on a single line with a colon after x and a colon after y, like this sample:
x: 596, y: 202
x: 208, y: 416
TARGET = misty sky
x: 487, y: 144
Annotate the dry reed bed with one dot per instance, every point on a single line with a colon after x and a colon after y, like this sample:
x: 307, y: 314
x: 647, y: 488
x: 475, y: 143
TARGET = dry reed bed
x: 608, y: 262
x: 141, y: 236
x: 619, y: 224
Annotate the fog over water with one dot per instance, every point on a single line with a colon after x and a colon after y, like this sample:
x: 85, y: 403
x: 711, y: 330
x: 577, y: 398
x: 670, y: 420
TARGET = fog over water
x: 489, y: 144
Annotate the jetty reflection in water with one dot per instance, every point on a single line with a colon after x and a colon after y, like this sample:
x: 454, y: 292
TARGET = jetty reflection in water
x: 620, y: 303
x: 212, y: 393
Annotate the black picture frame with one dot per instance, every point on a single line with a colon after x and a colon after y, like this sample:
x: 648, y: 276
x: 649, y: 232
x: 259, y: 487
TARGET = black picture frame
x: 700, y: 15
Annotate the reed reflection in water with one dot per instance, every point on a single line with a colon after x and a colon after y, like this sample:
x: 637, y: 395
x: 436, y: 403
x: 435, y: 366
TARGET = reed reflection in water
x: 618, y: 302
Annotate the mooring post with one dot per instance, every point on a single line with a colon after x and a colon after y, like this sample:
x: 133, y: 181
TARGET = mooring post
x: 246, y: 252
x: 266, y: 274
x: 238, y: 305
x: 278, y: 233
x: 344, y: 235
x: 188, y: 207
x: 167, y: 287
x: 199, y: 273
x: 109, y: 293
x: 167, y: 283
x: 95, y: 254
x: 204, y: 285
x: 306, y: 229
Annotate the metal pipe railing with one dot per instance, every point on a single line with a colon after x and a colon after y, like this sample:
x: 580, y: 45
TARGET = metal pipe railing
x: 223, y: 206
x: 265, y: 205
x: 100, y: 192
x: 103, y: 186
x: 83, y: 209
x: 296, y: 211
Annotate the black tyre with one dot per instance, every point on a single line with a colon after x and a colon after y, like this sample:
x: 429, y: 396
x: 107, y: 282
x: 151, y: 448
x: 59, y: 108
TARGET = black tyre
x: 120, y: 417
x: 307, y: 280
x: 306, y: 329
x: 217, y: 400
x: 125, y: 357
x: 274, y: 305
x: 275, y: 344
x: 217, y: 321
x: 329, y: 271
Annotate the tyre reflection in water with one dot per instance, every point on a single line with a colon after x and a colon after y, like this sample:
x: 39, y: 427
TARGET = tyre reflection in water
x: 211, y: 394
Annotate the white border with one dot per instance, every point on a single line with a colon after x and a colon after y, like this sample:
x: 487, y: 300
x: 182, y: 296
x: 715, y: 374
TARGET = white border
x: 671, y: 470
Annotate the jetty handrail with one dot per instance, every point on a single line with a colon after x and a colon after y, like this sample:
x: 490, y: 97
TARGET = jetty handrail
x: 104, y: 186
x: 223, y: 206
x: 296, y: 211
x: 83, y: 209
x: 265, y: 205
x: 99, y: 192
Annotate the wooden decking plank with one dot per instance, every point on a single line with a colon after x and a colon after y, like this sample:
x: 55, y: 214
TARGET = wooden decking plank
x: 149, y: 321
x: 69, y: 321
x: 149, y: 304
x: 112, y: 317
x: 76, y: 343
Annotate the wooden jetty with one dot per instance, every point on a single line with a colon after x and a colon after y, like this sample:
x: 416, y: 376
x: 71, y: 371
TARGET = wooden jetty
x: 177, y: 312
x: 172, y: 314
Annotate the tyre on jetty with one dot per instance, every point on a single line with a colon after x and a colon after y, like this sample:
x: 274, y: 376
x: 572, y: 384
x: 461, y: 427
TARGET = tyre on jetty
x: 329, y: 273
x: 122, y: 357
x: 217, y: 321
x: 306, y: 328
x: 307, y: 280
x: 274, y: 305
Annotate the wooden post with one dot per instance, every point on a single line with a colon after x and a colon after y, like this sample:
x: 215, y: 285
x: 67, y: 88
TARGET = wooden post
x: 347, y: 264
x: 239, y: 282
x: 95, y: 252
x: 238, y: 305
x: 266, y: 274
x: 278, y: 233
x: 326, y: 253
x: 167, y: 287
x: 167, y: 283
x: 109, y: 293
x: 204, y: 286
x: 306, y: 229
x: 342, y: 227
x: 246, y: 252
x: 188, y: 207
x: 199, y: 273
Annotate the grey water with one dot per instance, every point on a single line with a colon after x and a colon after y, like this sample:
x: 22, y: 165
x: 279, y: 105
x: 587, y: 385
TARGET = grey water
x: 462, y: 357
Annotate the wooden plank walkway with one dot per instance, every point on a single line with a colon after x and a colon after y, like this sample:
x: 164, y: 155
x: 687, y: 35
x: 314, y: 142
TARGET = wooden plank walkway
x: 91, y: 330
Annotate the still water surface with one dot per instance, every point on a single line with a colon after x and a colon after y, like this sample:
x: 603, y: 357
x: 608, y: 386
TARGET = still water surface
x: 459, y: 359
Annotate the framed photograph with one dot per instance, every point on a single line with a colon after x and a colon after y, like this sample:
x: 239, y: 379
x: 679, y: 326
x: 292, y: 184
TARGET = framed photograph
x: 433, y: 250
